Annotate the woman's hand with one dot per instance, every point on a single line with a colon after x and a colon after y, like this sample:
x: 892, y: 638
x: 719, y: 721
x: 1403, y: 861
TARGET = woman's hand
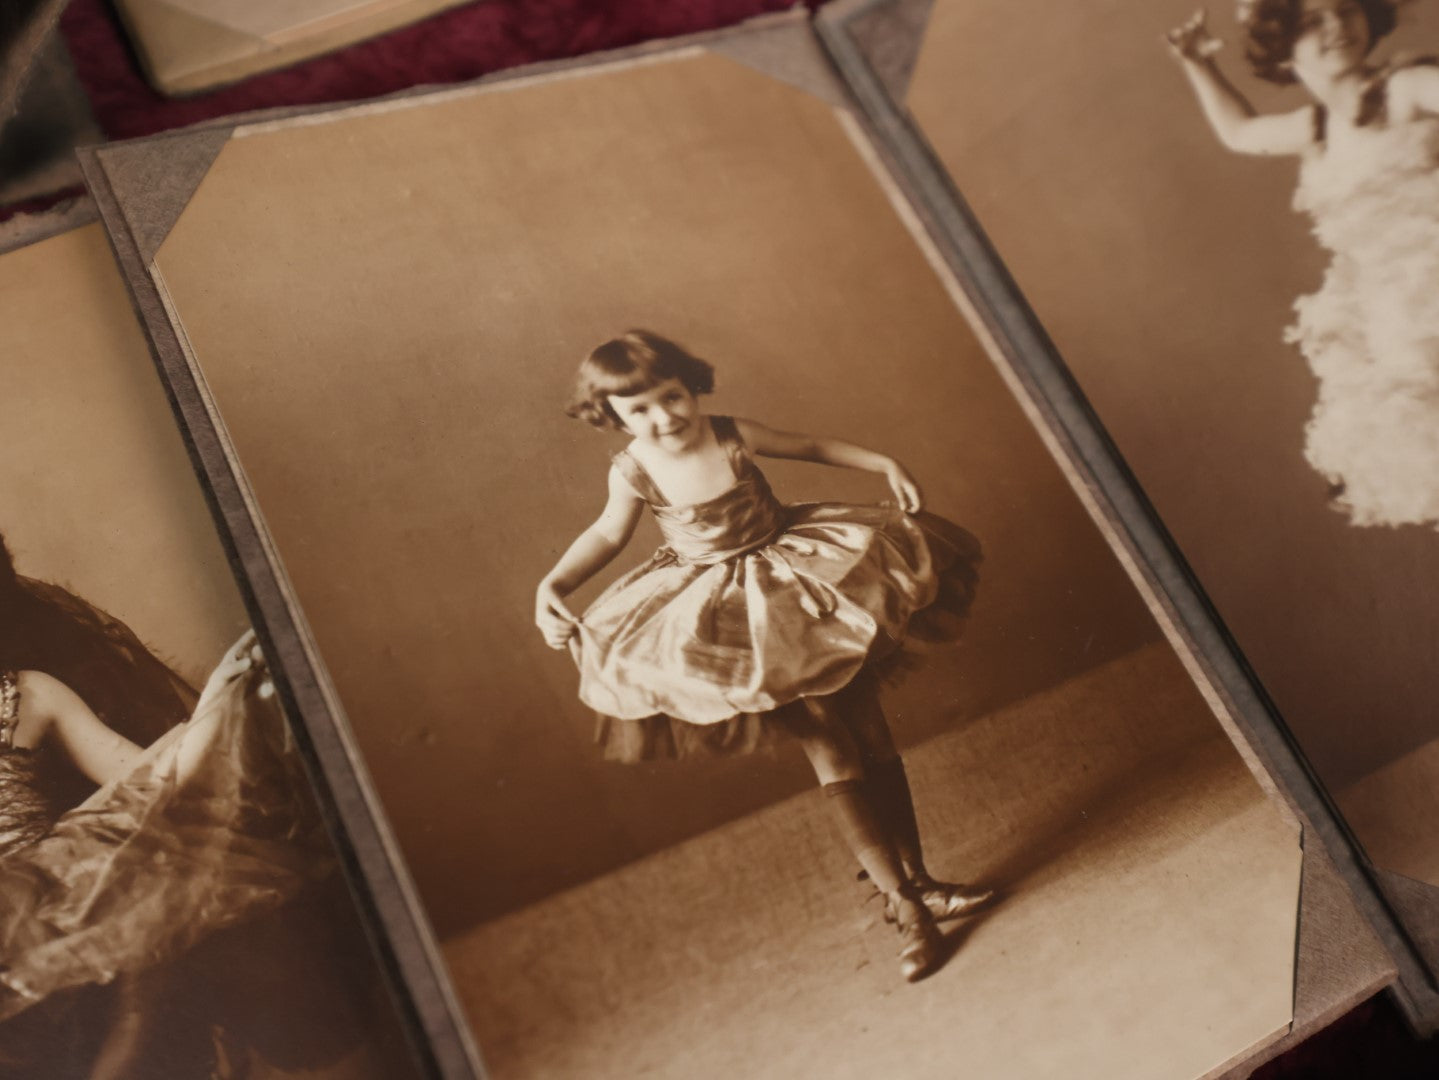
x: 1192, y: 41
x: 906, y: 491
x: 241, y: 657
x: 556, y: 622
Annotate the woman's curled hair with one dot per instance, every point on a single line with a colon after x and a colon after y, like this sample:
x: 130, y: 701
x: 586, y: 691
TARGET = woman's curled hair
x: 1272, y: 27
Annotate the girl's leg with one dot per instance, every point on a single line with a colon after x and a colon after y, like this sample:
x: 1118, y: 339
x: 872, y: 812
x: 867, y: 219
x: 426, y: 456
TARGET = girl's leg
x: 893, y: 800
x: 883, y: 770
x: 836, y: 760
x: 837, y: 764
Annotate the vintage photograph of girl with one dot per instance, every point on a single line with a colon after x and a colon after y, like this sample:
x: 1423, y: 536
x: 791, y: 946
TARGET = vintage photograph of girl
x: 749, y: 685
x: 170, y: 903
x: 1226, y: 221
x: 756, y: 618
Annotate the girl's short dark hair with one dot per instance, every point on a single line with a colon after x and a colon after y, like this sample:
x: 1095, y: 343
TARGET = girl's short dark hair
x: 631, y: 364
x: 1272, y: 27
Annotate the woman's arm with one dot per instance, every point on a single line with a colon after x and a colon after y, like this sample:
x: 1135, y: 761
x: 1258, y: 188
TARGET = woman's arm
x: 767, y: 442
x: 50, y: 709
x: 590, y: 553
x: 1234, y: 120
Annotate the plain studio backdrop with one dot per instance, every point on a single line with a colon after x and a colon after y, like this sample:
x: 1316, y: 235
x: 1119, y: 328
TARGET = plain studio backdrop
x: 96, y: 492
x: 389, y: 307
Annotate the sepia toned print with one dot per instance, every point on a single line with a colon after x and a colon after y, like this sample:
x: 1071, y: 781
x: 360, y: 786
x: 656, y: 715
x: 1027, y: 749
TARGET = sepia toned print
x: 390, y: 357
x: 170, y: 905
x: 1283, y: 446
x: 757, y: 619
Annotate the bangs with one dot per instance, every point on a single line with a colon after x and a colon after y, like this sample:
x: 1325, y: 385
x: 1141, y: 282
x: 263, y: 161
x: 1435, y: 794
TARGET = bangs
x: 633, y: 379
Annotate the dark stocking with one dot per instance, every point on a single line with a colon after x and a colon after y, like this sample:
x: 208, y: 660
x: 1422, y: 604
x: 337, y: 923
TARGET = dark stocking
x: 894, y: 806
x: 866, y: 837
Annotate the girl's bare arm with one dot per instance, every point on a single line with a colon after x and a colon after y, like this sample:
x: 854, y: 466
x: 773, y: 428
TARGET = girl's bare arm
x: 50, y: 709
x: 590, y: 553
x: 605, y: 538
x: 825, y: 451
x: 1234, y: 120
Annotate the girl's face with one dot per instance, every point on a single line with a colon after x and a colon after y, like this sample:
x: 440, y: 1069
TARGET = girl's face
x: 1333, y: 37
x: 666, y: 415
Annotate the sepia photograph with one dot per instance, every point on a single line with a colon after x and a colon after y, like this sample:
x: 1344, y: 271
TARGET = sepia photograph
x: 1224, y: 220
x: 171, y: 906
x: 753, y: 685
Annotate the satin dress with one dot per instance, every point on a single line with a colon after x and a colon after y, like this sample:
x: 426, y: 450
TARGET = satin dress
x: 752, y: 605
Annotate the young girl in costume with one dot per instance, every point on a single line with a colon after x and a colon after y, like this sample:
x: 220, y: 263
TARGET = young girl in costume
x: 1368, y: 145
x: 756, y: 618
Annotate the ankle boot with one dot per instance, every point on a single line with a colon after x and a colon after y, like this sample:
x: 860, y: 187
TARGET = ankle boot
x: 921, y: 948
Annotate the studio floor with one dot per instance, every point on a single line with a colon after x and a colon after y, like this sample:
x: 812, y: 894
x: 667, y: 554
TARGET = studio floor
x: 1394, y: 809
x: 1146, y: 926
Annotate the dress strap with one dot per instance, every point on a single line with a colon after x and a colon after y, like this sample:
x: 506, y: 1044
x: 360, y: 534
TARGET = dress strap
x: 9, y: 708
x: 635, y: 474
x: 1374, y: 102
x: 1320, y: 122
x: 727, y: 435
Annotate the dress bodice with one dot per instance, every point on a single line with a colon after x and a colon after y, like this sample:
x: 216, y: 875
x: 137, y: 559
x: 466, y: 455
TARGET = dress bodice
x: 744, y: 517
x: 1364, y: 176
x: 9, y: 709
x: 25, y: 812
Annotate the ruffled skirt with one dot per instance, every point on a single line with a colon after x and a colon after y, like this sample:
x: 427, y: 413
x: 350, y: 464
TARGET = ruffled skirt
x: 1371, y: 331
x: 680, y: 658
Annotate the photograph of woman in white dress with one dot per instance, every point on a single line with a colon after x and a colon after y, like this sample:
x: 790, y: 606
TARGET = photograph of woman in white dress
x: 1368, y: 144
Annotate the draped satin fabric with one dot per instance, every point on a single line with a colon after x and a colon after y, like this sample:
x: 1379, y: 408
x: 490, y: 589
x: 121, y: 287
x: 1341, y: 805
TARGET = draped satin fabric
x: 208, y: 829
x: 751, y: 606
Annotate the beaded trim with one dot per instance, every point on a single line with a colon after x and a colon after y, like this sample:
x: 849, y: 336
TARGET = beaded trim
x: 9, y: 708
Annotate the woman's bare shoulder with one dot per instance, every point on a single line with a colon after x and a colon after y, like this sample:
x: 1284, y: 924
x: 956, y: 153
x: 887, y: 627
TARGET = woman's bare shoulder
x: 1412, y: 86
x: 43, y: 695
x: 41, y: 698
x: 38, y: 687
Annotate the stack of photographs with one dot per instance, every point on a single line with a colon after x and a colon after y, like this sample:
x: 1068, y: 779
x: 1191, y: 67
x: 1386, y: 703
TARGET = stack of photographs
x: 1074, y: 623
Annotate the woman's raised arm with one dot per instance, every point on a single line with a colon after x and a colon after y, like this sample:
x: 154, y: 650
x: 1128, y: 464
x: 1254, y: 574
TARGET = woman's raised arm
x: 1234, y: 120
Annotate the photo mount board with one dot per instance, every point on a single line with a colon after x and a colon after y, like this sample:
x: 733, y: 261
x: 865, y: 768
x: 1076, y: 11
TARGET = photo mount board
x: 875, y: 43
x: 1336, y: 968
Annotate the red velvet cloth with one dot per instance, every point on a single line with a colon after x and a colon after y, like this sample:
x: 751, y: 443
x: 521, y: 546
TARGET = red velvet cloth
x: 451, y: 47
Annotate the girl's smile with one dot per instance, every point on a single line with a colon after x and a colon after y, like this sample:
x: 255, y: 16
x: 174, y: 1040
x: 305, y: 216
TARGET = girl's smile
x: 666, y: 415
